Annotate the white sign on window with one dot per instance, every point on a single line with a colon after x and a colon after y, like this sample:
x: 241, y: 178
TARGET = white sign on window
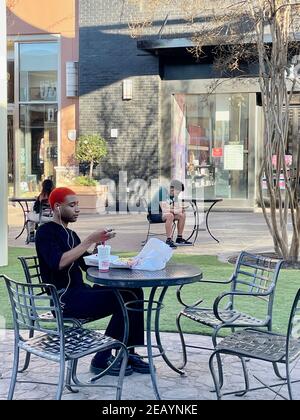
x: 234, y: 157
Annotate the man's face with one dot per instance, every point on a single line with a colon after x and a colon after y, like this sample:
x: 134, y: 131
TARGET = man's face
x: 69, y: 210
x: 174, y: 192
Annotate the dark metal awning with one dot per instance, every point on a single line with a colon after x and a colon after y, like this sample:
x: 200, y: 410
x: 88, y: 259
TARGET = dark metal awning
x: 159, y: 46
x: 178, y: 46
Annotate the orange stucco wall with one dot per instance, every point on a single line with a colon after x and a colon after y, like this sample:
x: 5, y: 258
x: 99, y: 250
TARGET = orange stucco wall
x: 34, y: 17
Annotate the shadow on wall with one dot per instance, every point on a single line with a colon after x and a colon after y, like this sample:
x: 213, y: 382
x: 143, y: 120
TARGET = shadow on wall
x: 106, y: 59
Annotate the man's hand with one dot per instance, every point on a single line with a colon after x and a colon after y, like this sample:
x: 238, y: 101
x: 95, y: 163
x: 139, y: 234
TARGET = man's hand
x: 101, y: 235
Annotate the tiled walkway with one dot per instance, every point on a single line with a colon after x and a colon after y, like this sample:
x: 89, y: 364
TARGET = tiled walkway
x: 195, y: 385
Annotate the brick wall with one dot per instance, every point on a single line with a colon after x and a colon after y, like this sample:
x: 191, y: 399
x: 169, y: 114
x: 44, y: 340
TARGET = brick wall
x: 107, y: 56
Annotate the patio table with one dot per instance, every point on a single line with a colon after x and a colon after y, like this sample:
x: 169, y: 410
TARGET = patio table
x: 195, y: 208
x: 24, y: 204
x: 172, y: 275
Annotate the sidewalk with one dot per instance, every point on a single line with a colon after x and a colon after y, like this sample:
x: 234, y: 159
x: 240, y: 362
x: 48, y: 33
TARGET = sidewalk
x: 236, y: 231
x: 195, y: 385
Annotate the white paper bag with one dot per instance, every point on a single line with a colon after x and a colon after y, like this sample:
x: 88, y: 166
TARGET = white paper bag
x: 154, y: 256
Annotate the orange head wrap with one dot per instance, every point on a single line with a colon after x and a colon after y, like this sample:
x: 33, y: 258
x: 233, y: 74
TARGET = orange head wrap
x: 58, y: 195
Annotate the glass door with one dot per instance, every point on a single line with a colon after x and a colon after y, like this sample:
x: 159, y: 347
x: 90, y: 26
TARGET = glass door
x: 210, y: 143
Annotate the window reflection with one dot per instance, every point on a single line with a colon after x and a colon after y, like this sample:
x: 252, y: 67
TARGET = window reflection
x: 210, y: 143
x: 38, y: 72
x: 38, y: 145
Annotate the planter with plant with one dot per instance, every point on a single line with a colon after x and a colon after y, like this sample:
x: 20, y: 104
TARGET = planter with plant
x: 91, y: 148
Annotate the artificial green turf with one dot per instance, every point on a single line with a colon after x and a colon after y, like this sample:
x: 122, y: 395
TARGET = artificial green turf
x: 288, y: 284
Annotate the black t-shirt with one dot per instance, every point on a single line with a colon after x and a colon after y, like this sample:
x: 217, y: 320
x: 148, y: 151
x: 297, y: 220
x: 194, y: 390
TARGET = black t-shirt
x: 51, y: 242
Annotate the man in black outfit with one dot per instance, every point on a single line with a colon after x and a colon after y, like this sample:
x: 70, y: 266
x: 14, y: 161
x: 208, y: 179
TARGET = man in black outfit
x: 60, y: 253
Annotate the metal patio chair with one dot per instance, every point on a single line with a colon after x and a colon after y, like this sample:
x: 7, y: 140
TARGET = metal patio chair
x: 45, y: 215
x: 151, y: 233
x: 32, y: 273
x: 59, y: 343
x: 263, y: 345
x: 252, y: 283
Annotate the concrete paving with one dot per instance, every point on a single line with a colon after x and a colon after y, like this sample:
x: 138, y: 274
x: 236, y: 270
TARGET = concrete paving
x: 236, y: 231
x: 196, y: 384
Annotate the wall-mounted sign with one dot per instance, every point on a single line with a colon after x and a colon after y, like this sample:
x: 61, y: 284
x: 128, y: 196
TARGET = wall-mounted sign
x: 234, y: 157
x: 217, y: 152
x: 72, y: 134
x: 114, y: 133
x: 287, y: 158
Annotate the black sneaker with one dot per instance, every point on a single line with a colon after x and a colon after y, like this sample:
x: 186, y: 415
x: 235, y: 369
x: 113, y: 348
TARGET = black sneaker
x: 181, y: 241
x: 171, y: 243
x: 31, y: 237
x: 138, y: 365
x: 97, y: 367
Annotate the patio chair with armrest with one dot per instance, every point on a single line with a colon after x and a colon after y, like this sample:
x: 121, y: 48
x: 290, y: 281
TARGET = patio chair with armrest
x: 32, y: 273
x: 35, y: 219
x: 151, y: 223
x: 59, y: 343
x: 249, y: 303
x: 255, y: 344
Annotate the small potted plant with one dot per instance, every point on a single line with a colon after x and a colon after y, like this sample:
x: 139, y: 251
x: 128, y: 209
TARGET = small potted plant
x: 90, y: 149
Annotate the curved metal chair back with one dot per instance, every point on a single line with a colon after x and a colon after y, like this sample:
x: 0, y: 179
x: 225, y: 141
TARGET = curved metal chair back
x: 31, y: 269
x: 262, y: 345
x: 249, y: 303
x: 57, y: 343
x: 256, y: 275
x: 32, y: 273
x: 29, y: 302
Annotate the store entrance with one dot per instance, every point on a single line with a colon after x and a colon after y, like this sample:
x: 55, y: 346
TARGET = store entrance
x: 211, y: 144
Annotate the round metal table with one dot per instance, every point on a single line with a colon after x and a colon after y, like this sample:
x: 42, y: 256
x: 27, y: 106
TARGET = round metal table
x: 172, y: 275
x: 195, y: 208
x: 24, y: 204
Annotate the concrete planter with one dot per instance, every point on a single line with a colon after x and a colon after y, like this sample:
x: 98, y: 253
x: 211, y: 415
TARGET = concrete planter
x: 91, y: 198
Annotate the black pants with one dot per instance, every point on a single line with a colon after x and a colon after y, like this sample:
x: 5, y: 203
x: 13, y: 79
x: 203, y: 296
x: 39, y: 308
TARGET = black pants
x: 99, y: 302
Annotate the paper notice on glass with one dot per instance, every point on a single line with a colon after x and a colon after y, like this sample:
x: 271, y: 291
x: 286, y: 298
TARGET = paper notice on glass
x: 234, y: 157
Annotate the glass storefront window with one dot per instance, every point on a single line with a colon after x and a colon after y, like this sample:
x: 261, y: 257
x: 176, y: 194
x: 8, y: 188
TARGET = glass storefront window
x: 210, y: 143
x: 37, y: 148
x: 38, y: 71
x: 36, y: 142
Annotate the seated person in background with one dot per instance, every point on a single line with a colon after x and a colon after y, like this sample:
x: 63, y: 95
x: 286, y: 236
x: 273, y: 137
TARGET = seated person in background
x: 164, y: 207
x: 41, y: 211
x: 60, y: 253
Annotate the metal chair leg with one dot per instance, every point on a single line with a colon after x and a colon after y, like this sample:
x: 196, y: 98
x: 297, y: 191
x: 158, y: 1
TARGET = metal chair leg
x: 61, y: 379
x: 70, y: 368
x: 246, y: 378
x: 14, y: 372
x: 277, y: 373
x: 218, y: 357
x: 213, y: 374
x: 124, y: 354
x: 288, y: 380
x: 183, y: 346
x: 27, y: 358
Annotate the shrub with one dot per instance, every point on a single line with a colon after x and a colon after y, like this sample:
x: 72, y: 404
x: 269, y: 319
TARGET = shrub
x: 85, y: 181
x: 91, y: 148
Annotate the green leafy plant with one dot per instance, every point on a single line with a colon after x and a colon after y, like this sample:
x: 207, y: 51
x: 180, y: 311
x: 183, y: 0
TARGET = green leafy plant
x: 91, y: 148
x: 85, y: 181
